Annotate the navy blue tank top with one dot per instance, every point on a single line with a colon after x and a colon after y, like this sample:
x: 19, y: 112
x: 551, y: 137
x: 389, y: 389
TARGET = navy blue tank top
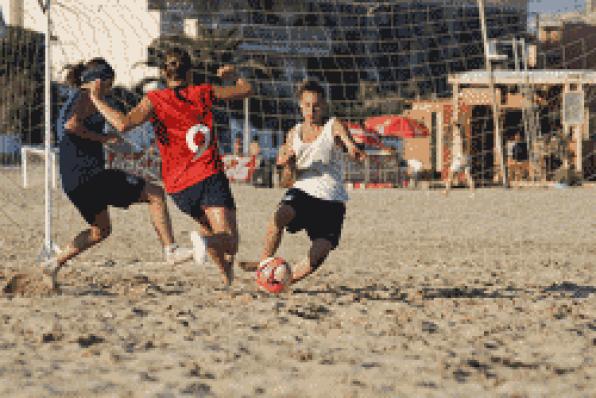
x: 80, y: 158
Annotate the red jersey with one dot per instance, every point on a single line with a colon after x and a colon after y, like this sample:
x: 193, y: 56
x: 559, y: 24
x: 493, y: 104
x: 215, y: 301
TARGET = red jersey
x: 175, y: 122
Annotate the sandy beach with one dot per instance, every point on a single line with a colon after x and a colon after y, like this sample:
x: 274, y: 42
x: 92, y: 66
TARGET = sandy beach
x: 426, y: 296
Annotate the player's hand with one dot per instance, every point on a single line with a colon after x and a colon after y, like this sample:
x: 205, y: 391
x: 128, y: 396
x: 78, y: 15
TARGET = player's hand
x: 94, y: 88
x: 112, y: 138
x: 285, y: 154
x: 358, y: 154
x: 226, y: 72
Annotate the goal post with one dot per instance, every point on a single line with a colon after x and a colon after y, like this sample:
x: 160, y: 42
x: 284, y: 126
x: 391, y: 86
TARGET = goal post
x: 374, y: 58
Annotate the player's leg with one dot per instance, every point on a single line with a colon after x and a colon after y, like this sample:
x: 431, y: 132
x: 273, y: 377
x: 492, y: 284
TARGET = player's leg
x: 323, y: 226
x: 212, y: 204
x: 287, y: 216
x: 99, y: 230
x: 449, y: 181
x: 155, y: 196
x: 318, y: 252
x: 90, y: 200
x: 469, y: 178
x: 205, y: 231
x: 126, y: 189
x: 275, y: 229
x: 221, y: 239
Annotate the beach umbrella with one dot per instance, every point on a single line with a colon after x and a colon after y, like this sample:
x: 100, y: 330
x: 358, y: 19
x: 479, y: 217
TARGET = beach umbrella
x: 396, y: 126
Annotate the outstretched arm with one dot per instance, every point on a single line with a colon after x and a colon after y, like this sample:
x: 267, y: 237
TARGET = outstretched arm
x: 285, y: 155
x: 121, y: 122
x: 240, y: 90
x: 340, y: 131
x: 287, y: 159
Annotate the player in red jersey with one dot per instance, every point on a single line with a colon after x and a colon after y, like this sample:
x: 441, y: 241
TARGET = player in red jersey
x: 192, y: 169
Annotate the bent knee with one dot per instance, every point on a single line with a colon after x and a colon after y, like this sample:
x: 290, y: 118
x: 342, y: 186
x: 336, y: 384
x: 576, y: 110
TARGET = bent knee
x: 153, y: 193
x: 100, y: 233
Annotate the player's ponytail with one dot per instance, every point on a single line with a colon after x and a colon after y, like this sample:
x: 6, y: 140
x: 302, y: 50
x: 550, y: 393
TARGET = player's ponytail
x: 73, y: 76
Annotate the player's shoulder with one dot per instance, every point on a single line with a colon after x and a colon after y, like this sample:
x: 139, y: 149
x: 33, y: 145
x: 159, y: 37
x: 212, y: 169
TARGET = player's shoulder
x: 295, y: 128
x: 157, y: 93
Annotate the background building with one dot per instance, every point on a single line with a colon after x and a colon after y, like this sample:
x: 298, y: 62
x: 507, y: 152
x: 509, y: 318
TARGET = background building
x: 372, y: 56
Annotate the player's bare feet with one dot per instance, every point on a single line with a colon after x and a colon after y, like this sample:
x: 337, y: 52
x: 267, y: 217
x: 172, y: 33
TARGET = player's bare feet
x: 175, y: 254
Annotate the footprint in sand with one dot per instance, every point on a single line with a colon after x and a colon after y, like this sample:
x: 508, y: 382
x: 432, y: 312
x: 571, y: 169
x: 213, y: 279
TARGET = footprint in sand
x: 28, y: 285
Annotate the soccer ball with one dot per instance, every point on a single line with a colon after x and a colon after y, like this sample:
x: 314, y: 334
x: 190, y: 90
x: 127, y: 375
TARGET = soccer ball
x: 274, y: 275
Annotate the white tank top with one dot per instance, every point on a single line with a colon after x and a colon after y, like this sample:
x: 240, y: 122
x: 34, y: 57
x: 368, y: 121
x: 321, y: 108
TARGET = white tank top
x: 319, y: 165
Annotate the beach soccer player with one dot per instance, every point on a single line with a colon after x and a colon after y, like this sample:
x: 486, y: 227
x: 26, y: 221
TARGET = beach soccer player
x: 86, y: 181
x: 316, y: 200
x: 192, y: 168
x: 459, y: 163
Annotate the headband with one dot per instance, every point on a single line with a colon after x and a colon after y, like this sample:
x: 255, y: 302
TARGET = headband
x: 102, y: 72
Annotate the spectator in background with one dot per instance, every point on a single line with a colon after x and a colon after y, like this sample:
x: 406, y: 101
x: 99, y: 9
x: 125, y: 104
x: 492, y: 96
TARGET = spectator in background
x: 254, y: 148
x: 414, y: 169
x: 237, y: 147
x: 460, y: 162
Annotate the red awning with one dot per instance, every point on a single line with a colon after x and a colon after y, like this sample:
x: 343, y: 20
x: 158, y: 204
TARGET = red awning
x: 396, y: 126
x: 361, y: 136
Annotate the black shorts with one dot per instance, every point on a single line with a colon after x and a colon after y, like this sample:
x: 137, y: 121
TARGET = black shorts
x: 109, y: 188
x: 321, y: 219
x: 214, y: 191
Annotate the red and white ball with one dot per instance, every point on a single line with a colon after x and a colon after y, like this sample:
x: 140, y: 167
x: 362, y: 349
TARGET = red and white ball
x: 274, y: 275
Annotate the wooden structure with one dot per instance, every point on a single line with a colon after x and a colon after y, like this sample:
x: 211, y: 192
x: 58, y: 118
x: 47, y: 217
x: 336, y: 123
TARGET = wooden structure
x: 433, y: 150
x: 515, y: 92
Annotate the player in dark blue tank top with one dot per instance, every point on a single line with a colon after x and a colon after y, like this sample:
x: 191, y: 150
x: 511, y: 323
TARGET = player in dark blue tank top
x: 80, y: 158
x: 86, y: 181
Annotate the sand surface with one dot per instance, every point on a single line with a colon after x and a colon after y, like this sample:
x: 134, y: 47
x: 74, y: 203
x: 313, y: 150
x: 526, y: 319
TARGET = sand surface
x: 426, y: 296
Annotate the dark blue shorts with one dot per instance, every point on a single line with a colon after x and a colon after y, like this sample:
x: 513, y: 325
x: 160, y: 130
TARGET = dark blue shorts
x: 109, y: 188
x: 214, y: 191
x: 321, y: 219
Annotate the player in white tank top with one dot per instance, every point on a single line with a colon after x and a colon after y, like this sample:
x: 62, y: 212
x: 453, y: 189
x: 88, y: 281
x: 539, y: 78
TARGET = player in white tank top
x: 315, y: 202
x: 319, y: 164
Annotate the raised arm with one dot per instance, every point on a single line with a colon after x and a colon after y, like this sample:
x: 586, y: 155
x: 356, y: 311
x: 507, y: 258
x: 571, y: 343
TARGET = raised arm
x: 287, y: 159
x: 286, y: 156
x: 240, y: 90
x: 121, y: 122
x: 340, y: 131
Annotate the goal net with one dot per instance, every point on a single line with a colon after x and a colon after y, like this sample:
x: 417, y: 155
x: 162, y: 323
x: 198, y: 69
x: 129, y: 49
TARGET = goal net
x: 397, y: 58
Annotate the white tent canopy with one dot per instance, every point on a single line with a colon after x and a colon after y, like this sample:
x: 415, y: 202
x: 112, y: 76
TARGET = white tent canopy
x: 542, y: 76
